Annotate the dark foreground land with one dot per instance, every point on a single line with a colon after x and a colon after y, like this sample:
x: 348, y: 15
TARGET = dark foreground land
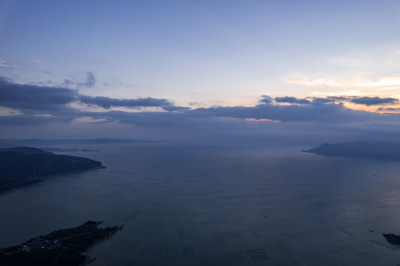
x: 65, y: 247
x: 22, y: 166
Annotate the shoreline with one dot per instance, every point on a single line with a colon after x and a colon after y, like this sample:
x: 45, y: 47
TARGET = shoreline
x: 64, y: 247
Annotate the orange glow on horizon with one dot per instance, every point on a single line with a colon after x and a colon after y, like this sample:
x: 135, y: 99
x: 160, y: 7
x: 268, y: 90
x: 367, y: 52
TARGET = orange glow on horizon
x: 373, y: 108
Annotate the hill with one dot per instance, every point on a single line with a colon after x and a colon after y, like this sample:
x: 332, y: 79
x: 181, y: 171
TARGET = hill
x: 26, y: 165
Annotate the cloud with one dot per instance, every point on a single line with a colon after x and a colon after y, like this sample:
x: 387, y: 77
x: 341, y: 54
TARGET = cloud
x: 384, y: 86
x: 4, y: 63
x: 266, y: 99
x: 33, y: 97
x: 368, y: 101
x: 382, y: 82
x: 323, y: 113
x: 47, y: 105
x: 300, y: 79
x: 34, y: 120
x: 291, y: 100
x: 389, y: 109
x: 150, y: 119
x: 90, y: 82
x: 320, y: 100
x: 172, y: 108
x: 107, y: 102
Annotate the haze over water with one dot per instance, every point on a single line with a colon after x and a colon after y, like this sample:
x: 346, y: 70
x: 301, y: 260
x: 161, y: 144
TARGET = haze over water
x: 212, y: 204
x: 246, y: 85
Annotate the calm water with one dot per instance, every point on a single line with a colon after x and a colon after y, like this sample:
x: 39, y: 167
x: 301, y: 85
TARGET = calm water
x: 203, y: 205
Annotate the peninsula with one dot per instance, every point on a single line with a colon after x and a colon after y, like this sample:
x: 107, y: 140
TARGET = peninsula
x: 22, y: 166
x: 379, y: 150
x: 65, y: 247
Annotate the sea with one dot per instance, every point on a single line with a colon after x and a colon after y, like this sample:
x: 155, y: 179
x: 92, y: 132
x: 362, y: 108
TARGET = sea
x: 218, y: 204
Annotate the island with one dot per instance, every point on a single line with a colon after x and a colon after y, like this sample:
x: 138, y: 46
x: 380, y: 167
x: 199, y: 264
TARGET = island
x: 380, y: 150
x: 65, y: 247
x: 21, y: 166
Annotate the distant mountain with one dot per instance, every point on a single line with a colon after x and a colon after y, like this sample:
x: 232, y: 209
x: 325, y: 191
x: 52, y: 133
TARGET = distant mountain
x: 25, y: 165
x: 361, y: 149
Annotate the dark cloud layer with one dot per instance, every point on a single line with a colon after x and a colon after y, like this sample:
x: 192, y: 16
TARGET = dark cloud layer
x: 368, y: 101
x: 321, y: 113
x: 266, y: 99
x: 107, y: 102
x: 389, y: 109
x: 292, y: 100
x: 28, y: 97
x: 373, y: 100
x: 43, y: 105
x: 33, y: 97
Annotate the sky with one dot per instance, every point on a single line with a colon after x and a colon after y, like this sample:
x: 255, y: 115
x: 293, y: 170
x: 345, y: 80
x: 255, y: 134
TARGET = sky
x: 177, y: 69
